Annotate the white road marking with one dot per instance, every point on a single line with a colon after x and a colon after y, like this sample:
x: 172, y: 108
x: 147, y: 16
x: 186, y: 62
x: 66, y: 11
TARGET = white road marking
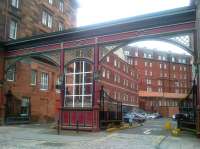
x: 147, y: 132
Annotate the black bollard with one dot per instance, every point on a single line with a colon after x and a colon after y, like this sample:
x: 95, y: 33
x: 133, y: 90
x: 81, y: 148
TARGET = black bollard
x: 77, y: 125
x: 58, y: 127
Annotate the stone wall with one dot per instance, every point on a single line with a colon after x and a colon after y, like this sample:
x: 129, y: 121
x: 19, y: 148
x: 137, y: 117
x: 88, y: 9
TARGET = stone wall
x: 29, y: 17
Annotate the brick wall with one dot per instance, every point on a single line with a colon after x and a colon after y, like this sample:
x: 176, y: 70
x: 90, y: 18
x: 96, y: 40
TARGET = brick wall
x: 43, y: 102
x: 29, y: 17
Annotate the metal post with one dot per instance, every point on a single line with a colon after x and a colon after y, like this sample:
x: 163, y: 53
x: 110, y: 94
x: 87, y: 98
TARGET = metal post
x: 62, y: 60
x: 77, y: 126
x: 197, y: 61
x: 58, y: 127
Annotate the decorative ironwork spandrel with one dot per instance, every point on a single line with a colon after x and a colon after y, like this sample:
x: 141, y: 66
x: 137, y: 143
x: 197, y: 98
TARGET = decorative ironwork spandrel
x: 185, y: 40
x: 86, y: 52
x: 105, y: 49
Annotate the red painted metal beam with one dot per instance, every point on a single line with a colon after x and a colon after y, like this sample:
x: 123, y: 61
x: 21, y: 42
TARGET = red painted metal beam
x: 147, y: 32
x: 131, y: 35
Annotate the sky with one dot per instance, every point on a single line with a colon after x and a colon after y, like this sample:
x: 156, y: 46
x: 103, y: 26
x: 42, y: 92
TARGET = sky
x: 162, y: 46
x: 97, y: 11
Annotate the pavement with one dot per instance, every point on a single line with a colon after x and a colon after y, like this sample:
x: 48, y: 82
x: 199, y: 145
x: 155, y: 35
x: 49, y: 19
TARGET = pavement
x: 151, y: 135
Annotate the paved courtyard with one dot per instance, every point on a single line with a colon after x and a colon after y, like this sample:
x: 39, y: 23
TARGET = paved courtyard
x: 151, y: 135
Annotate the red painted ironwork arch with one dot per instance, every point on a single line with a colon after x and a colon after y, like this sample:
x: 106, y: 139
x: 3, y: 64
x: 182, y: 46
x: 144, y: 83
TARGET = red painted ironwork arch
x: 185, y: 48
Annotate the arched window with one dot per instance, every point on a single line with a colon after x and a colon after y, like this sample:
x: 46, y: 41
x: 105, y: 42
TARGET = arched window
x: 78, y: 86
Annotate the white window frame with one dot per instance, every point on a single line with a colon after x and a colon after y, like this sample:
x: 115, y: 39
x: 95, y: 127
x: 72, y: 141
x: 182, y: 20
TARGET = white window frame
x: 33, y: 72
x: 61, y: 5
x: 15, y: 3
x: 115, y: 62
x: 149, y: 56
x: 173, y: 59
x: 83, y: 72
x: 60, y: 26
x: 103, y: 72
x: 136, y: 53
x: 118, y: 80
x: 160, y: 89
x: 149, y: 89
x: 165, y: 66
x: 50, y: 2
x: 148, y: 81
x: 184, y: 68
x: 13, y: 29
x: 25, y: 103
x: 159, y: 82
x: 145, y: 64
x: 118, y: 64
x: 44, y: 81
x: 47, y: 19
x: 145, y: 55
x: 58, y: 83
x: 174, y: 67
x: 13, y: 73
x: 164, y: 58
x: 108, y: 74
x: 108, y: 59
x: 160, y: 66
x: 150, y: 64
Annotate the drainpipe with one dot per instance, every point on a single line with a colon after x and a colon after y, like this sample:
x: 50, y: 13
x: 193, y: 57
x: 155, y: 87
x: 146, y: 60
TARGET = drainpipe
x: 197, y: 62
x: 6, y: 19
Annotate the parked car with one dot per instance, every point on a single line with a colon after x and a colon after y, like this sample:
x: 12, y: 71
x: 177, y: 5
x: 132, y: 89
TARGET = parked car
x: 134, y: 117
x: 154, y: 116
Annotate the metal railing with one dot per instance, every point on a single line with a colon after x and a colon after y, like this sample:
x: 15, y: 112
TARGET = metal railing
x: 110, y: 109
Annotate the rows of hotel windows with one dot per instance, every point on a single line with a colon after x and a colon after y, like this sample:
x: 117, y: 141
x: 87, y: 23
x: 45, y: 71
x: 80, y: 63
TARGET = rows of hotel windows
x: 117, y: 78
x: 179, y: 87
x: 164, y: 103
x: 164, y: 67
x: 124, y: 97
x: 118, y: 64
x: 161, y: 65
x: 122, y: 75
x: 159, y: 57
x: 47, y: 18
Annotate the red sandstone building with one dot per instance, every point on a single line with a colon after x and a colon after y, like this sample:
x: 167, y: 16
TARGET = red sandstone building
x: 120, y: 80
x: 32, y: 82
x: 164, y: 78
x: 76, y: 56
x: 25, y: 18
